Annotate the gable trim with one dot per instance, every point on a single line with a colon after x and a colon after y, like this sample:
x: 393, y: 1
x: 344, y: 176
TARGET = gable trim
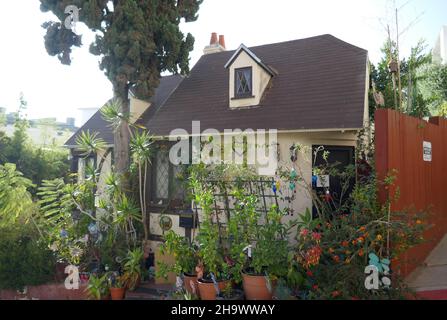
x: 241, y: 48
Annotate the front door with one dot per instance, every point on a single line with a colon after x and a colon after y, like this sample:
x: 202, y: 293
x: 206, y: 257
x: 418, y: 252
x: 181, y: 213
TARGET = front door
x: 334, y: 186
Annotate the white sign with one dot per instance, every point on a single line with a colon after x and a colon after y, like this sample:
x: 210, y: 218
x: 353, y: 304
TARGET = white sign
x: 323, y: 181
x: 427, y: 151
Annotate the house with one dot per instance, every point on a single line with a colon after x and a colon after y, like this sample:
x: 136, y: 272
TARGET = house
x: 312, y: 92
x: 440, y: 49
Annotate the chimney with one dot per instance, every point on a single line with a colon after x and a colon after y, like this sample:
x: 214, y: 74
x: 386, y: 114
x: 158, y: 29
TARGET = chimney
x: 213, y: 38
x: 216, y: 44
x: 222, y: 41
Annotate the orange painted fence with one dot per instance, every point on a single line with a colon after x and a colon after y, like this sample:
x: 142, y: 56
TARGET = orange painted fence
x: 422, y: 182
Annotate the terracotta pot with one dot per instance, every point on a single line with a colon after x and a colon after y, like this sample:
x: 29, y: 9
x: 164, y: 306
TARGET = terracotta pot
x: 255, y: 287
x: 117, y: 293
x: 190, y: 283
x: 207, y: 289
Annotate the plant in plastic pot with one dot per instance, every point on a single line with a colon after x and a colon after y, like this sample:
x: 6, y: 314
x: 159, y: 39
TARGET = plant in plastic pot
x: 186, y: 260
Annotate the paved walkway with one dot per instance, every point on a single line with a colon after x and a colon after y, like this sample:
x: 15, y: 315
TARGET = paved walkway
x: 430, y: 280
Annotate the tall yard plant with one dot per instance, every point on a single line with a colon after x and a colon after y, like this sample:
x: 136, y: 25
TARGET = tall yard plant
x: 141, y: 146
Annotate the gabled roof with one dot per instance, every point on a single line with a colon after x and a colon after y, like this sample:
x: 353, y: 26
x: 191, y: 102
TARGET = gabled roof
x: 97, y: 124
x: 320, y: 85
x: 241, y: 48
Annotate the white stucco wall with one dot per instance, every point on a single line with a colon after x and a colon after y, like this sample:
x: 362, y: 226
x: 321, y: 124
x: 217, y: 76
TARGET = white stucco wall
x: 137, y: 108
x: 303, y: 165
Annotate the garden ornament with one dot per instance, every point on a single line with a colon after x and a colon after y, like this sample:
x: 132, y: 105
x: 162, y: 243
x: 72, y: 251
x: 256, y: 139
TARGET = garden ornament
x: 314, y: 181
x: 293, y: 153
x: 381, y: 264
x: 92, y: 228
x: 292, y: 186
x: 327, y: 196
x: 179, y: 283
x: 293, y: 174
x: 216, y: 286
x: 247, y: 250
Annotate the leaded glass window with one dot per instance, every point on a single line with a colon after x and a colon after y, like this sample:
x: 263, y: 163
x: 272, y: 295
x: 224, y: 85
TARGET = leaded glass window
x: 162, y: 175
x: 167, y: 179
x: 243, y: 82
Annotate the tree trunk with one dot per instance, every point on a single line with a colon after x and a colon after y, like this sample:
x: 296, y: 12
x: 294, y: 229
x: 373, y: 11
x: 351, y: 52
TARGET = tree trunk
x: 122, y: 138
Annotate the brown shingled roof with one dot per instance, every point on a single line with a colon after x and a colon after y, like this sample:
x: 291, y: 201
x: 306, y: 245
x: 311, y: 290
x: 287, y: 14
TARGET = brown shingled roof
x: 97, y: 124
x: 320, y: 84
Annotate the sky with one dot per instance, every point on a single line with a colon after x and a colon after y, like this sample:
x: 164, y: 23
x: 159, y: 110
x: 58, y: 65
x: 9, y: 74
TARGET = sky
x: 54, y: 90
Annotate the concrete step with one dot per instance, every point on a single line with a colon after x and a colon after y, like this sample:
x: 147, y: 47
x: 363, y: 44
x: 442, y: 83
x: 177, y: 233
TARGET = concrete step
x: 150, y: 291
x: 432, y: 276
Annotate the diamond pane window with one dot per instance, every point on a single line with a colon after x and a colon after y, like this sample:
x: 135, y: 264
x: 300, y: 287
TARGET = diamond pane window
x: 243, y: 82
x: 162, y: 175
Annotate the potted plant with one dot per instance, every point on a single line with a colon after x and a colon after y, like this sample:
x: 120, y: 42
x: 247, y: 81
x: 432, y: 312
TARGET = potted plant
x: 117, y: 288
x: 132, y: 269
x: 186, y: 260
x: 213, y: 271
x: 268, y: 259
x: 98, y: 288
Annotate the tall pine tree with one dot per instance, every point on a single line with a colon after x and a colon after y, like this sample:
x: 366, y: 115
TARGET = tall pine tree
x: 136, y: 40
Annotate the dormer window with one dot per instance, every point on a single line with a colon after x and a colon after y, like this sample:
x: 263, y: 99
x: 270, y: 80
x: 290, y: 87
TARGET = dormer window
x: 248, y: 79
x: 244, y: 82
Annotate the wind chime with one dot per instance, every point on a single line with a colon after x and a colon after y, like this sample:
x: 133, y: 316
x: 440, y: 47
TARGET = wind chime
x: 290, y: 190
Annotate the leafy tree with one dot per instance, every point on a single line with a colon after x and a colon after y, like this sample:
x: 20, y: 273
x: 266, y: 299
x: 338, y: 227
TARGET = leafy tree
x: 412, y: 76
x: 434, y: 88
x: 136, y: 40
x: 416, y: 104
x: 3, y: 120
x: 35, y: 163
x: 16, y: 204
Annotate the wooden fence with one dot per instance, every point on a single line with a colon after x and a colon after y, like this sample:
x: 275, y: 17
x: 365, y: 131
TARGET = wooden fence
x: 417, y: 150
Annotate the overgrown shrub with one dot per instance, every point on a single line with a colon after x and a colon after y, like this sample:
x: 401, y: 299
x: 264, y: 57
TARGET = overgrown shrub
x: 24, y: 260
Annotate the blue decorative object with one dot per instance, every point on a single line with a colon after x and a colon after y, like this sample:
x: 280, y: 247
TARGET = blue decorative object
x: 293, y: 174
x: 292, y: 186
x: 314, y: 181
x: 64, y: 233
x: 216, y: 286
x: 92, y: 228
x: 382, y: 265
x: 274, y: 187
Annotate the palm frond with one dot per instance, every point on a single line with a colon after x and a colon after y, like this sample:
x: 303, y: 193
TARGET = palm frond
x: 113, y: 114
x: 89, y: 143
